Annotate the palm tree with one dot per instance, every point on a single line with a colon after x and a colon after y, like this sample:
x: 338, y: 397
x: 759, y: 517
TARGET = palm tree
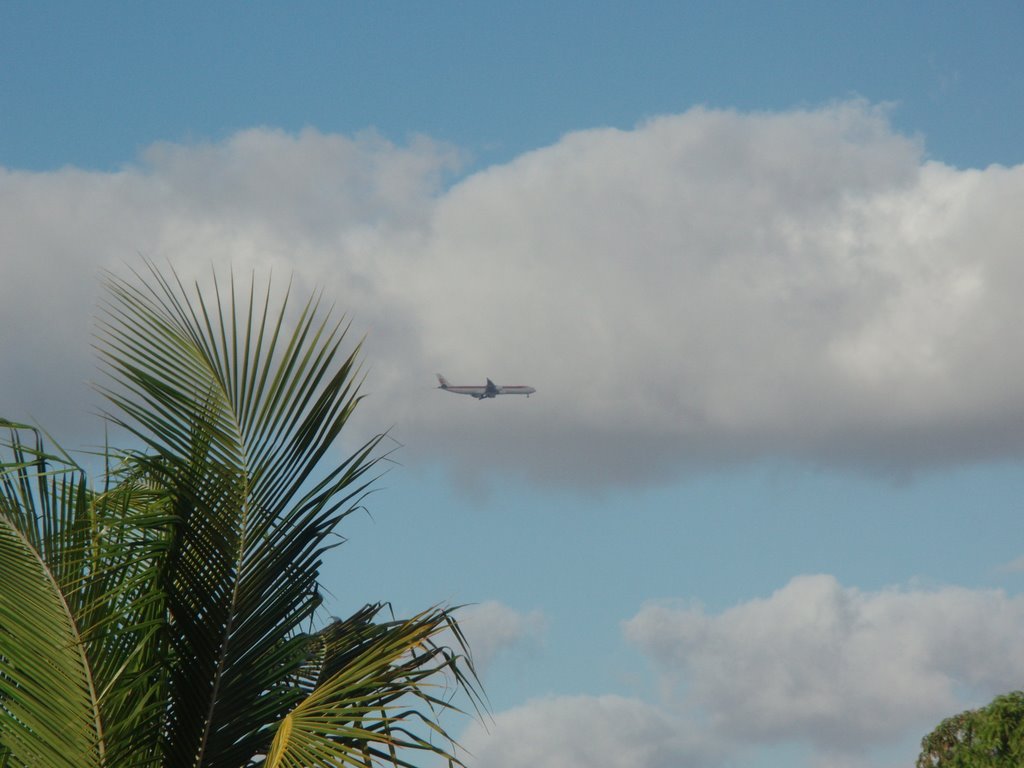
x: 163, y: 617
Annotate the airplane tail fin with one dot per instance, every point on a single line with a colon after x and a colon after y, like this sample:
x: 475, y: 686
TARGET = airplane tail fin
x: 442, y: 381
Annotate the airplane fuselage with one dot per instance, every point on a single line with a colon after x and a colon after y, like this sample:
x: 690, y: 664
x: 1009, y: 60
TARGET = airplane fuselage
x: 489, y: 390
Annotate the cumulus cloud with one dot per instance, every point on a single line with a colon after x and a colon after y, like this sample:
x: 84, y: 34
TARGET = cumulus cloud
x: 716, y: 286
x: 708, y: 287
x: 493, y: 628
x: 587, y: 732
x: 303, y: 207
x: 840, y: 669
x: 817, y: 674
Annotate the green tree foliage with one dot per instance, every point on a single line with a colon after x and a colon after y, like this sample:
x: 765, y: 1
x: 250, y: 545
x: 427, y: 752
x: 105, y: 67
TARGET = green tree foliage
x: 989, y: 737
x: 164, y: 617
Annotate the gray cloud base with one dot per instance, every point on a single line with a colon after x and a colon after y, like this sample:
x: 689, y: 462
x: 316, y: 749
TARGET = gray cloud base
x: 708, y: 288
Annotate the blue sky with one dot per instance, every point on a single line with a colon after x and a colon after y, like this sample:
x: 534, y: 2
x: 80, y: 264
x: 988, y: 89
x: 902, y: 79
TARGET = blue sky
x: 759, y: 260
x: 93, y: 86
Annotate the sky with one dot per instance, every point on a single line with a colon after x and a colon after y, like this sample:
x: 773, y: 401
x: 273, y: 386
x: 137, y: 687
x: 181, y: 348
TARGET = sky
x: 761, y: 262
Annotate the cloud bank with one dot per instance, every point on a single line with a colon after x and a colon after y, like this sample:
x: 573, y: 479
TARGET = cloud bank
x: 708, y: 288
x: 837, y: 676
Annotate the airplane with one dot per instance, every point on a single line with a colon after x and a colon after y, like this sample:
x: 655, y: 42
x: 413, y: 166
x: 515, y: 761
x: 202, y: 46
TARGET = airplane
x: 489, y: 390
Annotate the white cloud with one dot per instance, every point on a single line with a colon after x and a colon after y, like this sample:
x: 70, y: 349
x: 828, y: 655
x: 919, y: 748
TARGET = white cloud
x: 310, y: 206
x: 587, y: 732
x: 816, y: 675
x: 834, y: 667
x: 493, y: 628
x: 716, y: 286
x: 708, y: 287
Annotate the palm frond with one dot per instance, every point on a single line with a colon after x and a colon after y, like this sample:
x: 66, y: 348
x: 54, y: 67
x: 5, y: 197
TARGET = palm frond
x: 49, y: 709
x: 378, y: 690
x: 125, y: 616
x: 157, y: 622
x: 79, y: 572
x: 238, y: 405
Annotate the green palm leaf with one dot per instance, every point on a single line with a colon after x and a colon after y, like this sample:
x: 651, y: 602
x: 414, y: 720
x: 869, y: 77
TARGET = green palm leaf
x: 157, y: 621
x: 48, y: 708
x: 372, y: 695
x: 238, y: 409
x: 78, y: 614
